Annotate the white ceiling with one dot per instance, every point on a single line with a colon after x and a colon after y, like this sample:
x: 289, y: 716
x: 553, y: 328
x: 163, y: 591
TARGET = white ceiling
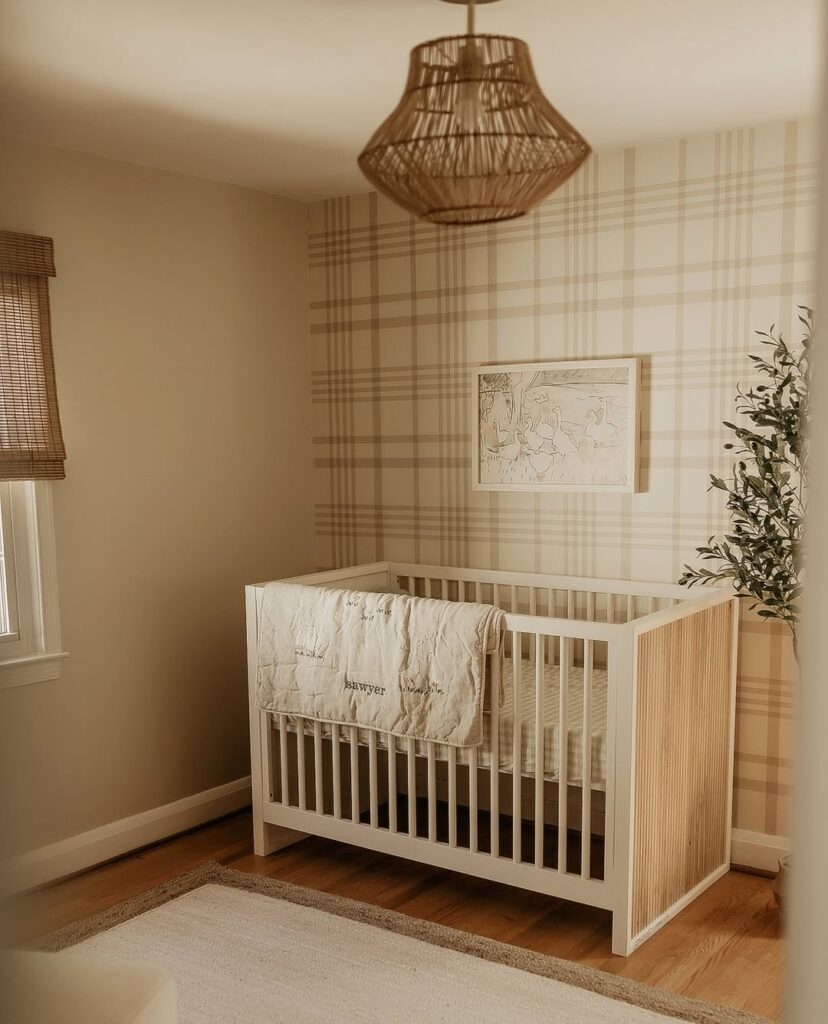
x: 281, y: 95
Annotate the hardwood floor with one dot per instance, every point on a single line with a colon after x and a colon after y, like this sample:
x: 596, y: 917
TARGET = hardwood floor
x: 726, y: 947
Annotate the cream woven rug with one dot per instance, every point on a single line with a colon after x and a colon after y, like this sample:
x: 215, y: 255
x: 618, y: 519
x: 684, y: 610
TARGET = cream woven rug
x: 245, y: 949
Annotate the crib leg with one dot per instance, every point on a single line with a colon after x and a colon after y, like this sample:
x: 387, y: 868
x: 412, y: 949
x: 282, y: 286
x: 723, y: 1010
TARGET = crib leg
x: 269, y: 838
x: 621, y: 945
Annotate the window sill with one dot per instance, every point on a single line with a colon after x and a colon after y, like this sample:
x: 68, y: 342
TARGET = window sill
x: 38, y: 668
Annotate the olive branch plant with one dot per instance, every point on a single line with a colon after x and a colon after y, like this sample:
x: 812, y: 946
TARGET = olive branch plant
x: 762, y: 553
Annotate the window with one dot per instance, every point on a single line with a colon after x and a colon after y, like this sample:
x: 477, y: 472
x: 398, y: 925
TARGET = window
x: 31, y: 456
x: 30, y: 649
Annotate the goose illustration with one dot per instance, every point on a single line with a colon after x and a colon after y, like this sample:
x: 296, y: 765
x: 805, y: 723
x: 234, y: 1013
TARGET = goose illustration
x: 548, y: 423
x: 601, y: 431
x: 535, y: 442
x: 550, y: 428
x: 541, y: 462
x: 563, y: 439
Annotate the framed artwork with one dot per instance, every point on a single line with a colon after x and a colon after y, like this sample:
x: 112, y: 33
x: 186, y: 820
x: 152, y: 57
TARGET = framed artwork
x: 563, y: 426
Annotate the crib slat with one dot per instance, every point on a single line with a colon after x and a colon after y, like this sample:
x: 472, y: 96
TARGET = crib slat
x: 586, y: 767
x: 630, y: 607
x: 610, y: 608
x: 391, y: 743
x: 452, y: 788
x: 516, y: 748
x: 427, y: 587
x: 590, y: 606
x: 539, y: 751
x: 268, y: 742
x: 513, y: 599
x: 570, y: 614
x: 317, y: 768
x: 354, y: 737
x: 432, y: 792
x: 412, y: 789
x: 494, y: 767
x: 495, y: 595
x: 336, y: 757
x: 284, y: 779
x: 478, y: 593
x: 473, y: 799
x: 551, y: 612
x: 372, y: 778
x: 533, y: 600
x: 563, y: 752
x: 652, y: 605
x: 412, y: 587
x: 444, y: 592
x: 300, y: 763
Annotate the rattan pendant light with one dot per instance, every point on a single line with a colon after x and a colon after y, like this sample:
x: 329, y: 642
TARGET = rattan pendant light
x: 473, y: 139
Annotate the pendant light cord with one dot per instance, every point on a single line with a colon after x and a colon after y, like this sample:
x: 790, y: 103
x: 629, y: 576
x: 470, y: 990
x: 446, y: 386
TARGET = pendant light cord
x: 470, y: 19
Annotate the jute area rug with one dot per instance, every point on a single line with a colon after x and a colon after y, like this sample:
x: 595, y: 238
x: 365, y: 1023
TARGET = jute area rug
x: 243, y: 948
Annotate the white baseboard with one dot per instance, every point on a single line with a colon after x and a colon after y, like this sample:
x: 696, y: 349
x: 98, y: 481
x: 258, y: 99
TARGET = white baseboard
x: 758, y: 850
x: 119, y: 837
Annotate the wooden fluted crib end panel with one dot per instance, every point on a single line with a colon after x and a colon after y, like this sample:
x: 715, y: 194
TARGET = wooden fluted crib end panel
x: 682, y: 771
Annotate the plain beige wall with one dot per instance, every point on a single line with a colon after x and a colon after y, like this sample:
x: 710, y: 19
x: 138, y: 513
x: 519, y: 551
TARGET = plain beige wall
x: 179, y: 324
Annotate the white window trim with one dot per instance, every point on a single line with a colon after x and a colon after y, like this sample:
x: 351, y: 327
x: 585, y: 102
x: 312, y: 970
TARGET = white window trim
x: 35, y: 654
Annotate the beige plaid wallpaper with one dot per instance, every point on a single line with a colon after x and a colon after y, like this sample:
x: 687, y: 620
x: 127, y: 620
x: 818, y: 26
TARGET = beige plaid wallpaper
x: 674, y: 252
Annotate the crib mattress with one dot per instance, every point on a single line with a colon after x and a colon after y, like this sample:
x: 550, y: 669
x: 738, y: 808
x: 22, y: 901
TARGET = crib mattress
x: 551, y: 730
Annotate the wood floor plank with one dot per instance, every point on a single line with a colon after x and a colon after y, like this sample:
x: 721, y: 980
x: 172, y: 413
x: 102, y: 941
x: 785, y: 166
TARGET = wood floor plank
x: 726, y: 947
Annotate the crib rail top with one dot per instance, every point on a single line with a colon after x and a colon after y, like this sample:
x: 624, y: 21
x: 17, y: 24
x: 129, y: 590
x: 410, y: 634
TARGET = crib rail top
x: 582, y: 584
x: 679, y: 600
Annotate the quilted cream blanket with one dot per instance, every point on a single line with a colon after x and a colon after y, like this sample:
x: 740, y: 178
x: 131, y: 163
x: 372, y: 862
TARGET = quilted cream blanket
x: 410, y: 666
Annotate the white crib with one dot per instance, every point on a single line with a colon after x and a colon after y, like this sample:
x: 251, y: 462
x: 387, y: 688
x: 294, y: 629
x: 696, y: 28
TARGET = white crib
x: 613, y: 749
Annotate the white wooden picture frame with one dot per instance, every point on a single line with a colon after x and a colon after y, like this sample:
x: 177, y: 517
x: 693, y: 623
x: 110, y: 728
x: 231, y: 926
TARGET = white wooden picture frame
x: 556, y: 426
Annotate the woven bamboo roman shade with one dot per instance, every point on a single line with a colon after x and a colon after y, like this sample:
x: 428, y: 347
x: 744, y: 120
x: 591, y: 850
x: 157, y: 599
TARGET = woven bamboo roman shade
x: 31, y: 442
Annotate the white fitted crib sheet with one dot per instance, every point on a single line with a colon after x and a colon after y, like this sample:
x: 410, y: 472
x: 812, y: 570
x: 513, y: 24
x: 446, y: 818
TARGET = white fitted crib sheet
x: 551, y: 730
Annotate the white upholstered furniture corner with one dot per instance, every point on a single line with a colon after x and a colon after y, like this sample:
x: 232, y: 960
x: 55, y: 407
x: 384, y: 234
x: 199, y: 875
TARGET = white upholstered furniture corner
x: 68, y: 988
